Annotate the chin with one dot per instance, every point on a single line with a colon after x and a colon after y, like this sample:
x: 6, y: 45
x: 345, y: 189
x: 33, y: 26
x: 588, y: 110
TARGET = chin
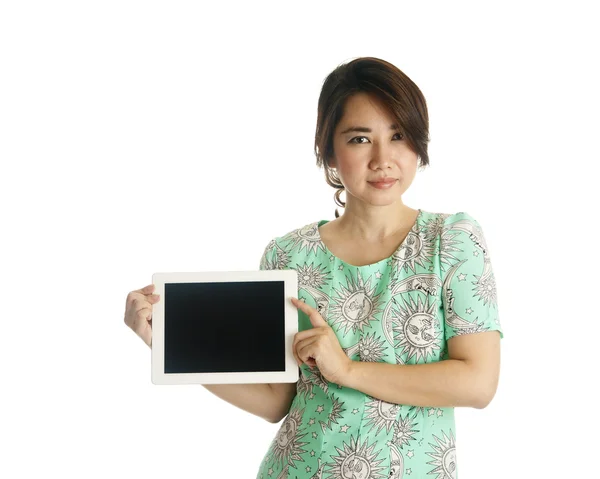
x: 382, y: 202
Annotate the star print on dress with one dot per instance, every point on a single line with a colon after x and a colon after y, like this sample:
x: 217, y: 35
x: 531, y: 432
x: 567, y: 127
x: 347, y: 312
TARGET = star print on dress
x: 416, y: 410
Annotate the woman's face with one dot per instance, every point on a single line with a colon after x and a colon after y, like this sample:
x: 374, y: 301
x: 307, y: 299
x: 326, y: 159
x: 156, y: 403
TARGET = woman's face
x: 361, y: 156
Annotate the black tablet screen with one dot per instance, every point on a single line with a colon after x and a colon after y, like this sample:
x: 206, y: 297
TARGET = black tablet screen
x: 224, y: 327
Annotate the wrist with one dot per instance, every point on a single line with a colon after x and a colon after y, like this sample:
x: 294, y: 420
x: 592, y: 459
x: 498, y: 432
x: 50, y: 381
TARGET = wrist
x: 347, y: 374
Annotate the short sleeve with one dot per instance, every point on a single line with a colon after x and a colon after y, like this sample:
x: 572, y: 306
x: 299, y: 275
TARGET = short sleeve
x: 469, y: 295
x: 269, y: 259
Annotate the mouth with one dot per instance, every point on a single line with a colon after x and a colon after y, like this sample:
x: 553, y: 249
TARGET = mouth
x: 383, y: 182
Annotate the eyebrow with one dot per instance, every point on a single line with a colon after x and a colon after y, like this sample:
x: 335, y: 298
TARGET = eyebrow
x: 364, y: 129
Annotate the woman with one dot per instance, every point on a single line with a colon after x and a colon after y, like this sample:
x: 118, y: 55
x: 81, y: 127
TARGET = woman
x: 398, y: 320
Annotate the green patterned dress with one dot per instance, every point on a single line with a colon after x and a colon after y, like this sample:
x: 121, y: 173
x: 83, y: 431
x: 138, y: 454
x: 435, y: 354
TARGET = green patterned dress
x: 438, y: 284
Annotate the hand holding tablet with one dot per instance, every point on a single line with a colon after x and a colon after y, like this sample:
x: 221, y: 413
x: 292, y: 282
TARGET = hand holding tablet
x: 138, y: 312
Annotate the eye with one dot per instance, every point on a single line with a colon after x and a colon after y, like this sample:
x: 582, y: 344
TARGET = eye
x: 356, y: 139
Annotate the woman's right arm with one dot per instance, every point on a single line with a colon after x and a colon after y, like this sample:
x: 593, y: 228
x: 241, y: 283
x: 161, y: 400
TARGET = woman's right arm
x: 269, y: 401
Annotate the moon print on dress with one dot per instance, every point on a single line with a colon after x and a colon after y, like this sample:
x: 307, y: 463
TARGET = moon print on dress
x: 287, y: 445
x: 414, y: 249
x: 396, y: 463
x: 321, y: 300
x: 356, y: 461
x: 444, y: 457
x: 485, y: 284
x: 356, y: 304
x: 319, y: 473
x: 461, y: 325
x: 427, y: 283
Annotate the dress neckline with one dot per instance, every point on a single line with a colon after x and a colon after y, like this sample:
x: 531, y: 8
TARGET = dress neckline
x: 329, y: 253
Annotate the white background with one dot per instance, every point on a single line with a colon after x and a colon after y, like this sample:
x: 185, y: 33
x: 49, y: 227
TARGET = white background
x: 117, y: 120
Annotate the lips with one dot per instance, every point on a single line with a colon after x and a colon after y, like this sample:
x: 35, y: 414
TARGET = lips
x: 384, y: 181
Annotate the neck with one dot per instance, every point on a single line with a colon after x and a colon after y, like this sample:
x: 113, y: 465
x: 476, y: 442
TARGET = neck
x: 375, y: 224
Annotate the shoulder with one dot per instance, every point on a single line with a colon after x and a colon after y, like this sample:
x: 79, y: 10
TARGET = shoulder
x: 439, y: 223
x: 460, y: 218
x: 452, y: 229
x: 463, y: 223
x: 303, y: 236
x: 447, y: 218
x: 461, y: 233
x: 442, y: 223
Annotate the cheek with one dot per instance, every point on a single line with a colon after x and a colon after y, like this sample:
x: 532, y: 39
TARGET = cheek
x: 349, y: 166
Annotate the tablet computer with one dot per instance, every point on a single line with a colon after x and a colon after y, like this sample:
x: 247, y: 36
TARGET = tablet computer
x: 224, y: 327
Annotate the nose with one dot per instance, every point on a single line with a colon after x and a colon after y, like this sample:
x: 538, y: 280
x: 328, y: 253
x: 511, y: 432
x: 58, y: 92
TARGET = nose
x: 380, y: 156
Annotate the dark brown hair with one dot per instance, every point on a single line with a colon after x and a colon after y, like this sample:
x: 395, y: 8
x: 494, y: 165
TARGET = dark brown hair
x: 390, y: 85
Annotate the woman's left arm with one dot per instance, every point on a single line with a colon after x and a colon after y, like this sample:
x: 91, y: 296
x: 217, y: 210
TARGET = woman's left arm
x: 469, y: 377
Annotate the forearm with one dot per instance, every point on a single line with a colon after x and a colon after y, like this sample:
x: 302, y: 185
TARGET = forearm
x: 263, y: 400
x: 258, y: 399
x: 449, y: 383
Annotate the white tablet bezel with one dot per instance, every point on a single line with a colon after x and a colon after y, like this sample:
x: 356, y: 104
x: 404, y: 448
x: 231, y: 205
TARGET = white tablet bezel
x: 290, y: 278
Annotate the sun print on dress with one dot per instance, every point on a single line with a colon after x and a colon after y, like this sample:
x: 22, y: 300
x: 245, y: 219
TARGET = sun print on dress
x: 286, y: 448
x: 444, y: 457
x: 357, y: 461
